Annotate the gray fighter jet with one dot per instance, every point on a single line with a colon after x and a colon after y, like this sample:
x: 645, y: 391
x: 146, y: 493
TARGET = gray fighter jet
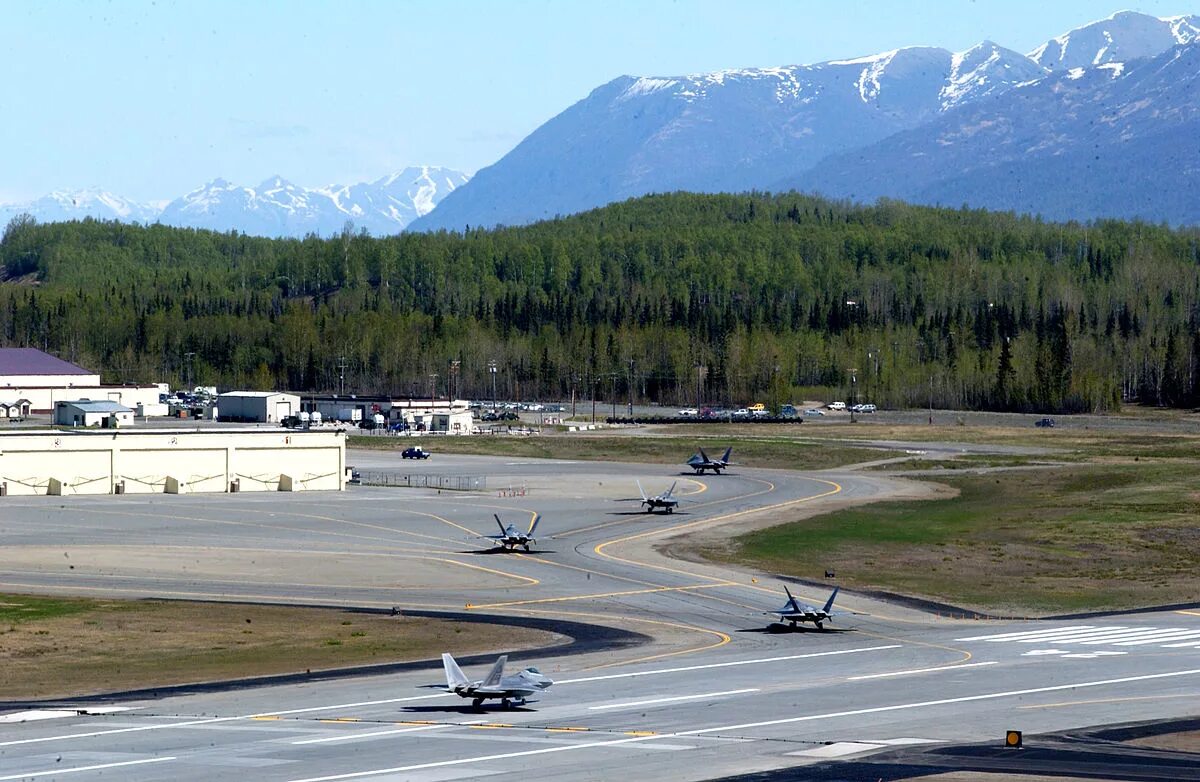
x: 511, y: 690
x: 794, y: 611
x: 700, y: 462
x: 664, y: 500
x: 510, y: 537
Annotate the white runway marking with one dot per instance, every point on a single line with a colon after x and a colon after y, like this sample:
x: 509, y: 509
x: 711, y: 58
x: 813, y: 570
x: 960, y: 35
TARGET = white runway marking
x: 60, y: 771
x: 917, y: 670
x: 726, y: 664
x: 676, y: 699
x: 1100, y: 636
x: 748, y: 725
x: 215, y: 720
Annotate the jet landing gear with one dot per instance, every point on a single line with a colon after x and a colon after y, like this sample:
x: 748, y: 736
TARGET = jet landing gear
x: 508, y: 703
x: 526, y: 548
x: 818, y: 624
x: 477, y: 703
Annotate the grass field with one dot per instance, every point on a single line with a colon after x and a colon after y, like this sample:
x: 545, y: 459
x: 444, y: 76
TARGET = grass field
x: 1058, y: 540
x: 777, y: 452
x: 61, y: 647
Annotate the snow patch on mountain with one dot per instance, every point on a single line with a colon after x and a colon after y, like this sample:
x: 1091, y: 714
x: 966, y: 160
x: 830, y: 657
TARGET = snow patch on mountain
x: 1124, y: 36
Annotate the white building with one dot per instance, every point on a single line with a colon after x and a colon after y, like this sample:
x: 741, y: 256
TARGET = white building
x: 85, y: 412
x: 42, y: 381
x: 166, y: 461
x: 257, y: 406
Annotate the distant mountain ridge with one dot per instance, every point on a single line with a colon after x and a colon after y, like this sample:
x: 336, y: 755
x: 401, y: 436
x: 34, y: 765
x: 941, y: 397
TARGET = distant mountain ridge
x: 767, y: 128
x: 275, y: 207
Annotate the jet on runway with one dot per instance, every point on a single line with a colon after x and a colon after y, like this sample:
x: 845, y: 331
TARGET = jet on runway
x: 510, y: 537
x: 794, y: 611
x: 700, y: 462
x: 664, y: 500
x: 509, y: 689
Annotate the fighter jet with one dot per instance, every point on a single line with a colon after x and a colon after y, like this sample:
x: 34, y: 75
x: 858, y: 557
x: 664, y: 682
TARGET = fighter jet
x: 511, y: 690
x: 700, y: 462
x: 510, y: 537
x: 795, y: 611
x: 664, y: 500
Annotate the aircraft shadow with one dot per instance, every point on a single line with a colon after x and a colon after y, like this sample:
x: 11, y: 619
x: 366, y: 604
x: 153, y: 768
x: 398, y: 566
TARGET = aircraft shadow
x: 465, y: 708
x: 644, y: 513
x: 497, y: 550
x: 776, y: 628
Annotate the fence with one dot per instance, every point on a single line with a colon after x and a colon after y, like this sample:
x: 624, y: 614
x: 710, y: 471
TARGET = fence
x: 448, y: 482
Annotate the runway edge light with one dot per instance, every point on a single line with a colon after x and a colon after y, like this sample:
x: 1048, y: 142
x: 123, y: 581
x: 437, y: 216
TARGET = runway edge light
x: 1012, y: 739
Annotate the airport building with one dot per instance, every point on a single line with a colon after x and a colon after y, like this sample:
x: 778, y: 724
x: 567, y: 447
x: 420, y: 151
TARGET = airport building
x: 34, y: 382
x: 267, y: 407
x: 449, y: 416
x: 170, y: 461
x: 84, y: 412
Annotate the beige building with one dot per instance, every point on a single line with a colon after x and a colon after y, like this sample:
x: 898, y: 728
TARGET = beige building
x: 85, y: 412
x: 170, y: 461
x: 268, y: 407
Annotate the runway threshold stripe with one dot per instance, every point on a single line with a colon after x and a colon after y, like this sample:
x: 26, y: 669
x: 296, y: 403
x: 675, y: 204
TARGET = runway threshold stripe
x: 748, y: 725
x: 1025, y: 633
x: 60, y: 771
x: 372, y: 734
x: 730, y: 664
x: 676, y: 699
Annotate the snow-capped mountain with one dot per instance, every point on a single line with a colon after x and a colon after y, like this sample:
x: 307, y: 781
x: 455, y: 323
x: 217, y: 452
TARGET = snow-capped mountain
x: 760, y: 128
x: 729, y: 130
x: 77, y: 204
x: 1121, y: 37
x: 274, y: 207
x: 1110, y: 140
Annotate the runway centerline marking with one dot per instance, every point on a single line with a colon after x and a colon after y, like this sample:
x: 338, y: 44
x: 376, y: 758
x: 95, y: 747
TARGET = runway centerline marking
x: 917, y: 670
x: 60, y: 771
x: 744, y: 726
x: 390, y: 732
x: 676, y: 699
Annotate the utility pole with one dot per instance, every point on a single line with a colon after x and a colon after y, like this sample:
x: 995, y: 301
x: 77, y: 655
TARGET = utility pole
x: 341, y: 375
x: 853, y: 393
x: 631, y: 388
x: 574, y: 386
x: 187, y: 366
x: 492, y: 368
x: 931, y: 400
x: 433, y: 376
x: 454, y: 389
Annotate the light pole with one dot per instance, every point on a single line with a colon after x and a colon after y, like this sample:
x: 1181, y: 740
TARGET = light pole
x: 454, y: 389
x: 187, y: 366
x: 631, y: 388
x: 492, y: 368
x: 853, y: 393
x: 433, y: 376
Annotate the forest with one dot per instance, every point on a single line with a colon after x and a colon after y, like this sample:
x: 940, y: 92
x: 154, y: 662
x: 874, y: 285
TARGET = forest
x: 673, y: 299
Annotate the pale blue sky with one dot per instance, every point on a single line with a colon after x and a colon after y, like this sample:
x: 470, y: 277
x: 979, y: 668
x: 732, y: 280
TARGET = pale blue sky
x: 151, y: 99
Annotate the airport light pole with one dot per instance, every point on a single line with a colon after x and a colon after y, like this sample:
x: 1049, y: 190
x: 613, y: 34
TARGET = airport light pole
x: 454, y: 389
x: 853, y: 393
x: 631, y: 388
x: 492, y: 368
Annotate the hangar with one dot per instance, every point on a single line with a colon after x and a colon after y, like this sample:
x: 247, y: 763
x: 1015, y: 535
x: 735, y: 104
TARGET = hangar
x: 117, y: 461
x: 85, y: 412
x: 34, y: 381
x: 268, y: 407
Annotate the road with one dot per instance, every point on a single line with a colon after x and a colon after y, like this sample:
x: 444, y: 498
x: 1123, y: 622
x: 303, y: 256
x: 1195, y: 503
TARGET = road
x: 712, y: 692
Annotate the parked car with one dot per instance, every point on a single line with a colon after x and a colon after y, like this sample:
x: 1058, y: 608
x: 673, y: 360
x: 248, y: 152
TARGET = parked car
x: 812, y: 411
x: 757, y: 407
x: 1045, y: 423
x: 764, y: 413
x: 416, y: 452
x: 867, y: 408
x: 688, y: 412
x: 741, y: 412
x: 787, y: 411
x: 836, y: 405
x: 400, y: 426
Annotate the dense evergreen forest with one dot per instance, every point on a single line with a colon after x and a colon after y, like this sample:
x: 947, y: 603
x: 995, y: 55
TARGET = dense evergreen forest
x: 682, y: 298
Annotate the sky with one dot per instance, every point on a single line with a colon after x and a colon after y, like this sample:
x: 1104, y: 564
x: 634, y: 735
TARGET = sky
x: 149, y: 100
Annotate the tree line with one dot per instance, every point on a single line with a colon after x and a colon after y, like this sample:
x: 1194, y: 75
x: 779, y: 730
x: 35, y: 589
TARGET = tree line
x: 678, y: 298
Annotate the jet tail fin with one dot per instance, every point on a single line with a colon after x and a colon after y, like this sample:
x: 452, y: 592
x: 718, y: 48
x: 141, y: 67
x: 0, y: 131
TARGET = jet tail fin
x: 454, y: 675
x: 704, y: 456
x: 727, y: 454
x: 791, y: 600
x: 500, y: 524
x: 671, y: 490
x: 497, y: 672
x: 641, y: 491
x: 829, y: 603
x: 536, y: 518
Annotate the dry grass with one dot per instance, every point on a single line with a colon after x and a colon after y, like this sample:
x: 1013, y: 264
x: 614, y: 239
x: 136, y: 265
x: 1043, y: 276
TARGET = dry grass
x: 52, y: 647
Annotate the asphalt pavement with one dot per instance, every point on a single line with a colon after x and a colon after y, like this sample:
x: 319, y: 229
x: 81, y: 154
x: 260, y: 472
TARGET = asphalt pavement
x: 701, y: 685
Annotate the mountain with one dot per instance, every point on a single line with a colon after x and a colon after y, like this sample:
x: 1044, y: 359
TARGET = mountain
x: 275, y: 207
x: 807, y: 125
x: 77, y: 204
x: 1121, y: 37
x: 1111, y: 140
x: 729, y: 130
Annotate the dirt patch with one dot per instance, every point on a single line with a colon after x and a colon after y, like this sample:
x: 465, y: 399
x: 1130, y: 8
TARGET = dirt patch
x: 105, y: 646
x: 1186, y: 741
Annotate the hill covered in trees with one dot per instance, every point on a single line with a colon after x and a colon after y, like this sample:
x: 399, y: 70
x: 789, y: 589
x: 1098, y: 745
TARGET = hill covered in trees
x: 734, y: 298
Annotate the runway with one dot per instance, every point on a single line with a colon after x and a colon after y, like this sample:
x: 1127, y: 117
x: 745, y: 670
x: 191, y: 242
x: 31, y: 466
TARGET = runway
x: 712, y: 693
